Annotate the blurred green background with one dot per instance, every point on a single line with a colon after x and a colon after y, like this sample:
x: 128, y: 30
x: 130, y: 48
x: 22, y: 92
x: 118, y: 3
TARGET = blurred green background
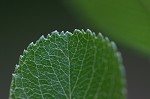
x: 126, y: 22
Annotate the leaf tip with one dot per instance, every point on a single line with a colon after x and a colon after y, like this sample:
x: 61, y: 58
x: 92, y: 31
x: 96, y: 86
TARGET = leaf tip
x: 55, y: 32
x: 42, y: 37
x: 14, y: 75
x: 62, y: 33
x: 21, y: 56
x: 25, y: 51
x: 77, y: 31
x: 118, y: 54
x: 68, y: 33
x: 100, y: 35
x: 82, y: 30
x: 107, y: 39
x: 90, y: 32
x: 17, y: 66
x: 48, y: 36
x: 114, y: 46
x: 30, y: 45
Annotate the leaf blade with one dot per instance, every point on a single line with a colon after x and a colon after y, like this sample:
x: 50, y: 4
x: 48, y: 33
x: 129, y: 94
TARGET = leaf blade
x: 79, y: 65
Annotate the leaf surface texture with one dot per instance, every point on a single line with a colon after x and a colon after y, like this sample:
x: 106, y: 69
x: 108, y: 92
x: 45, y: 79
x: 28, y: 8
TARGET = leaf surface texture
x: 78, y: 65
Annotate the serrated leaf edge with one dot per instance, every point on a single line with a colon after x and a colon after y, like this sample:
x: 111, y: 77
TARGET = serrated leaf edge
x: 100, y: 36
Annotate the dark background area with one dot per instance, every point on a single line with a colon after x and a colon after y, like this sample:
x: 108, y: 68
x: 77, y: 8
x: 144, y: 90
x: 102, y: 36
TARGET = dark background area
x: 23, y: 22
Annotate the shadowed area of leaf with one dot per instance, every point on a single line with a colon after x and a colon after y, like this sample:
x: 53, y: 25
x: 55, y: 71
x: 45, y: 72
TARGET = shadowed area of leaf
x: 78, y: 65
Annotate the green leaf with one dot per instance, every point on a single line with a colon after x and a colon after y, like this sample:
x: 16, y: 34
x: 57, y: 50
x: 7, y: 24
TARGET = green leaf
x: 127, y: 21
x: 78, y: 65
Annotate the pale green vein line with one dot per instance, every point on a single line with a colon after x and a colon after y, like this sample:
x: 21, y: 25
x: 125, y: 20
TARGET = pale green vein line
x: 55, y: 55
x: 101, y: 81
x: 39, y: 84
x: 22, y: 86
x: 57, y: 76
x: 93, y: 70
x: 73, y: 56
x: 68, y: 58
x: 81, y: 66
x: 69, y: 73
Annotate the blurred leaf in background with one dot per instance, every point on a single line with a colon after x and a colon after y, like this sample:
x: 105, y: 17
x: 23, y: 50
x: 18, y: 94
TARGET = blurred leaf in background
x: 126, y: 21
